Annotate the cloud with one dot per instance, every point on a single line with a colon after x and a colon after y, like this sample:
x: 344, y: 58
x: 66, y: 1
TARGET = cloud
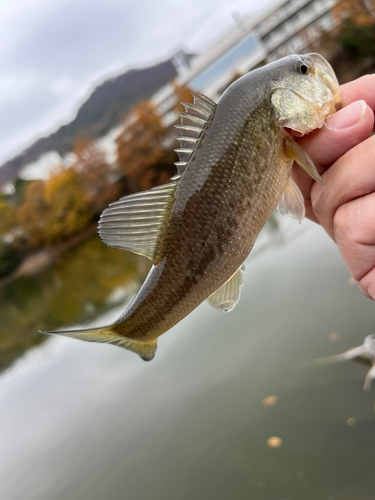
x: 53, y: 53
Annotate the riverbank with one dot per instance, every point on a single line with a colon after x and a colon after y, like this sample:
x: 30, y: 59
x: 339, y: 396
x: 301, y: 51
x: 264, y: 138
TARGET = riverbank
x: 40, y: 260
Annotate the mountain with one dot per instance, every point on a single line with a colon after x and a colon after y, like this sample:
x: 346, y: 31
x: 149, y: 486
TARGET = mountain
x: 103, y: 110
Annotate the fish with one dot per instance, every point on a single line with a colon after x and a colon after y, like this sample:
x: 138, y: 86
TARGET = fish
x: 363, y: 353
x: 235, y: 160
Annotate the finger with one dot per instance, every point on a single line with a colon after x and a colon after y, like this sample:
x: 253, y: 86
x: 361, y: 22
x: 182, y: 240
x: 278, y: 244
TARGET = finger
x: 340, y: 132
x: 362, y: 88
x: 354, y: 230
x: 343, y: 130
x: 351, y: 177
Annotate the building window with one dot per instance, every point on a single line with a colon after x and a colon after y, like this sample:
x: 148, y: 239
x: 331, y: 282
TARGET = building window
x: 234, y: 56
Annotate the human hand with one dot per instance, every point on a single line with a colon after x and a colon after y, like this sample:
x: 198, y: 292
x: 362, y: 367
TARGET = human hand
x: 344, y: 155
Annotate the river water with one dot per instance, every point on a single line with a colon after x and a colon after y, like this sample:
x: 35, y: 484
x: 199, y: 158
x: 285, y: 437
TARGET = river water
x: 234, y: 406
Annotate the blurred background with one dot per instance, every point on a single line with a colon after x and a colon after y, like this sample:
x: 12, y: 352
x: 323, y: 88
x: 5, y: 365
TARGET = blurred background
x: 233, y: 405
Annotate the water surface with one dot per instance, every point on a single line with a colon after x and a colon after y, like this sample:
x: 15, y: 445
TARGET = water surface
x: 87, y: 422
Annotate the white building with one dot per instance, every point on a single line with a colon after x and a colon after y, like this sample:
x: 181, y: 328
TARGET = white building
x: 287, y: 27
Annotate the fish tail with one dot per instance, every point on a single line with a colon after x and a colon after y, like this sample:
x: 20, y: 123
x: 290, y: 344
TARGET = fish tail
x: 146, y: 350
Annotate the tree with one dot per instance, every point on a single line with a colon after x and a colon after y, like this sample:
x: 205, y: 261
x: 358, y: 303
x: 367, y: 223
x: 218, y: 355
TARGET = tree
x: 183, y: 94
x: 55, y: 209
x: 9, y: 259
x: 33, y: 213
x: 357, y: 41
x: 99, y: 181
x: 139, y: 147
x: 8, y: 217
x: 68, y: 210
x: 361, y: 12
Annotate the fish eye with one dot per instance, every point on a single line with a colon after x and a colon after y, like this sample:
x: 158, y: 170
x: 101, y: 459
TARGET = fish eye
x: 303, y: 69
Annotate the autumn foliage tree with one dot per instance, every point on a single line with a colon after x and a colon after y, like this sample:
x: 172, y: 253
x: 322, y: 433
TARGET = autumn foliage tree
x: 183, y: 94
x: 33, y: 213
x: 55, y: 209
x: 141, y: 154
x: 8, y: 217
x: 98, y: 180
x: 68, y: 211
x: 361, y: 12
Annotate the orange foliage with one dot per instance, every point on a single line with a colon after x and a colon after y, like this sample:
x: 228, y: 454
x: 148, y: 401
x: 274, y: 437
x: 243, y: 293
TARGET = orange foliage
x: 8, y: 217
x: 68, y: 211
x: 362, y: 12
x: 183, y: 94
x: 139, y: 147
x: 33, y: 213
x: 97, y: 179
x: 53, y: 210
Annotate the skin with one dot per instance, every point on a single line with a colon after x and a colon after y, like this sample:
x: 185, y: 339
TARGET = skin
x: 344, y: 154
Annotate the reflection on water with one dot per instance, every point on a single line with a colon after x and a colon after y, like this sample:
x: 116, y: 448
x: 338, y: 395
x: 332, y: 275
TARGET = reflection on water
x: 233, y: 406
x: 82, y: 283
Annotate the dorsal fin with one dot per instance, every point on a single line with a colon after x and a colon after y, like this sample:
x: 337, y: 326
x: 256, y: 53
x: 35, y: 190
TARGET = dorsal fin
x: 136, y: 222
x: 196, y: 119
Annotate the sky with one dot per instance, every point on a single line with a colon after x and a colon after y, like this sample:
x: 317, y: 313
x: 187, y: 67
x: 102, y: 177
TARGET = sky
x: 54, y: 53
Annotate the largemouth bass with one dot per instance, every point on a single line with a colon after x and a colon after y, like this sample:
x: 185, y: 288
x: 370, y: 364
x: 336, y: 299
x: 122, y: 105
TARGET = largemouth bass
x: 234, y: 169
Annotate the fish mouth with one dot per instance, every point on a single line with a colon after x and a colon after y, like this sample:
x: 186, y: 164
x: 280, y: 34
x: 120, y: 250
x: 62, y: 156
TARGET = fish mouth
x: 321, y: 111
x: 326, y: 76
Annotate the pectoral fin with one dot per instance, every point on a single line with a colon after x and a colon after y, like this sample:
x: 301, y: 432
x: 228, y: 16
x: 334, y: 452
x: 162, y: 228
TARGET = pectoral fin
x: 228, y: 295
x: 292, y: 202
x: 136, y: 222
x: 294, y: 151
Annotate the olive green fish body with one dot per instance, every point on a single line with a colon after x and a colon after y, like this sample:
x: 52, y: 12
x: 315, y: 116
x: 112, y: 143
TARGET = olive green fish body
x: 225, y: 196
x: 235, y: 162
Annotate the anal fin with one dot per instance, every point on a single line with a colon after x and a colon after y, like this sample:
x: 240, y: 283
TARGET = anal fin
x: 292, y: 202
x: 228, y: 295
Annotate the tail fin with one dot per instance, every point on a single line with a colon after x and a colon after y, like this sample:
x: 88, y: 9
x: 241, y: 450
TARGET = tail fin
x: 146, y: 350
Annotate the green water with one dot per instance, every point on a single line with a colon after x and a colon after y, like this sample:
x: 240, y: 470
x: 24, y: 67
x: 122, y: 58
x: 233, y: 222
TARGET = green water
x: 81, y: 284
x: 84, y: 421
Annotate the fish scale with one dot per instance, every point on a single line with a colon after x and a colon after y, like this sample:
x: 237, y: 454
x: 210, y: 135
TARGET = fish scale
x: 234, y: 164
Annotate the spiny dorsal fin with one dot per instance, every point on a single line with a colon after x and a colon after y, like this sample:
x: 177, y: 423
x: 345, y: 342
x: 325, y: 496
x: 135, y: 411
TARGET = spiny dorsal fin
x: 292, y: 202
x: 228, y: 295
x: 136, y: 222
x: 196, y: 119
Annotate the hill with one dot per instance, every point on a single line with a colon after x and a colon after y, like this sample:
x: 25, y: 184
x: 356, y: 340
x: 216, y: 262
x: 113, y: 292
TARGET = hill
x: 103, y: 110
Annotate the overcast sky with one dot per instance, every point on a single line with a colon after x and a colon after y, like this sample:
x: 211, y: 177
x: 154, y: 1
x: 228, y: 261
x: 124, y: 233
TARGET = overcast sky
x: 54, y: 52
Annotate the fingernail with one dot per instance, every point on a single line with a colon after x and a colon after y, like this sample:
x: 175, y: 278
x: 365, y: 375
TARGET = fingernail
x: 347, y: 117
